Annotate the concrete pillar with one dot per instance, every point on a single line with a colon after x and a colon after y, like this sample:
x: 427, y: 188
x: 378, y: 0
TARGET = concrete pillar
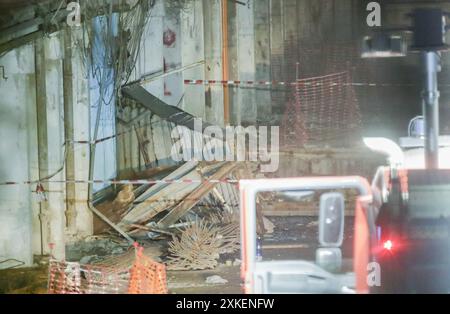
x: 41, y: 229
x: 277, y: 54
x: 172, y: 56
x: 77, y: 101
x: 233, y: 62
x: 262, y: 59
x: 17, y: 147
x: 51, y: 97
x: 212, y: 19
x: 290, y: 37
x: 246, y: 56
x: 192, y: 51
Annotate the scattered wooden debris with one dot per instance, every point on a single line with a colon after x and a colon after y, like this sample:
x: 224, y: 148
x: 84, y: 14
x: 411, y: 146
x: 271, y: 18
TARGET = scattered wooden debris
x: 200, y: 245
x: 193, y: 206
x: 193, y: 198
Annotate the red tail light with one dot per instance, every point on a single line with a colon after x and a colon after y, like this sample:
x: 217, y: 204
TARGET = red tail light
x: 388, y: 245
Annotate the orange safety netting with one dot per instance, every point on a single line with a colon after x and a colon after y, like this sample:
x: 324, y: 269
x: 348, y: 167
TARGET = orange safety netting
x: 147, y: 276
x: 144, y: 277
x: 324, y: 110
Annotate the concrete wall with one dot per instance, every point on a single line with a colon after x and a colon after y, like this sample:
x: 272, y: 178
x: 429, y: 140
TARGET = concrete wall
x: 329, y: 162
x: 36, y: 120
x: 18, y: 158
x: 173, y: 40
x: 154, y: 63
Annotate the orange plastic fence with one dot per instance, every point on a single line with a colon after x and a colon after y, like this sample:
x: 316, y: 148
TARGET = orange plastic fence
x: 144, y: 277
x: 147, y: 276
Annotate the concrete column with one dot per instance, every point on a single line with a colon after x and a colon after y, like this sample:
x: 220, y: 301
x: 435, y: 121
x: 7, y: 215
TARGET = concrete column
x: 192, y: 51
x: 78, y: 96
x: 17, y: 147
x: 172, y: 56
x: 290, y: 36
x: 277, y: 54
x: 233, y: 62
x: 262, y: 59
x: 68, y: 130
x: 50, y: 118
x: 212, y: 15
x: 246, y: 57
x: 55, y: 140
x: 41, y: 230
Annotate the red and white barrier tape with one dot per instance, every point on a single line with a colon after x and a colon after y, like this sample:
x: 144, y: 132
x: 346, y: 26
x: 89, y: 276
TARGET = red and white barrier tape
x: 99, y: 140
x: 299, y: 83
x: 132, y: 182
x: 235, y: 83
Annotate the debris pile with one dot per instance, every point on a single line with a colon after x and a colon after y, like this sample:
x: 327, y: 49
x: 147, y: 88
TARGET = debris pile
x: 193, y: 209
x: 200, y: 245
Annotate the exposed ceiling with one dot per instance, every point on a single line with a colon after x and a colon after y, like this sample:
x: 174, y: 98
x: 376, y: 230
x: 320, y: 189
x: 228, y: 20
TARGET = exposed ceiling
x: 18, y: 4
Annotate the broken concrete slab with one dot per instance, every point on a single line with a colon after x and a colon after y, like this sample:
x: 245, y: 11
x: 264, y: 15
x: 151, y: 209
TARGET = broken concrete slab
x: 216, y: 280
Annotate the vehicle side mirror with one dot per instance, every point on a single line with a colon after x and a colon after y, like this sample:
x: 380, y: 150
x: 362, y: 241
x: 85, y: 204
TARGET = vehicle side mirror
x: 329, y: 259
x: 331, y: 220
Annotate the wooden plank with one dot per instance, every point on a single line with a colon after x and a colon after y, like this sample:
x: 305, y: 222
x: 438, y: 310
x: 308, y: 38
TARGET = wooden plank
x: 162, y: 200
x: 191, y: 200
x: 177, y: 174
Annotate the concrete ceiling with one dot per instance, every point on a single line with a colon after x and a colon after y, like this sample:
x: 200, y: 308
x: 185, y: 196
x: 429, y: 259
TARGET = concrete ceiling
x: 14, y: 12
x: 18, y: 4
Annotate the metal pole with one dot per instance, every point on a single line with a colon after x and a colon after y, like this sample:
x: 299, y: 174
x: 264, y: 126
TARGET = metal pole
x: 430, y: 96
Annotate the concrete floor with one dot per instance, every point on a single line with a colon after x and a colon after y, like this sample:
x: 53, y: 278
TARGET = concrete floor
x: 292, y: 230
x: 34, y: 281
x: 194, y: 282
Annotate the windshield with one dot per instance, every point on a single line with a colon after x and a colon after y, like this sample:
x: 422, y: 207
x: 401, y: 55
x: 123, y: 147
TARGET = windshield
x: 289, y: 226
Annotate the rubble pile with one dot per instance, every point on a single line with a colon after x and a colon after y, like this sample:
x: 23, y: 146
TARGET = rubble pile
x: 190, y: 217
